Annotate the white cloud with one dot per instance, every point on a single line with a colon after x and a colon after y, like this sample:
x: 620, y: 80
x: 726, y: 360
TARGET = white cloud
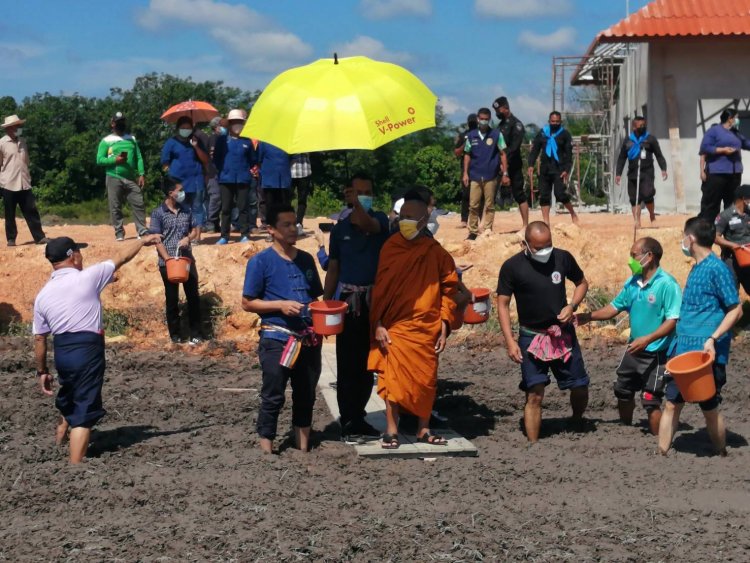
x: 13, y: 54
x: 452, y: 105
x: 386, y: 9
x: 563, y: 38
x: 256, y: 41
x: 522, y: 9
x: 370, y: 47
x: 528, y: 109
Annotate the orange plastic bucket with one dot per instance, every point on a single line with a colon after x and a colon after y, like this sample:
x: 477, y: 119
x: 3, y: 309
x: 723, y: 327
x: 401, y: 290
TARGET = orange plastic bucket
x: 693, y: 373
x: 328, y: 317
x: 742, y: 254
x: 479, y: 311
x: 178, y: 269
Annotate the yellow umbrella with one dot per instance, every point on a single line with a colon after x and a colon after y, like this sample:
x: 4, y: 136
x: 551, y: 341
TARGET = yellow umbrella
x: 349, y: 103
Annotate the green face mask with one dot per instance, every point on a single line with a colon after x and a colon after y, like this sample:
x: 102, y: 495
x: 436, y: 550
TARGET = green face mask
x: 635, y: 266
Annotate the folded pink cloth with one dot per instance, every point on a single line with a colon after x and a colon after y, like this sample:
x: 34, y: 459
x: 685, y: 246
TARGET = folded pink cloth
x: 552, y: 344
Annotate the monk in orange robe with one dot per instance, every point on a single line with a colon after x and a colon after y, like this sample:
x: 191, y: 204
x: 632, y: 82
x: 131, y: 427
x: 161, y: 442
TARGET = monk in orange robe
x: 412, y: 309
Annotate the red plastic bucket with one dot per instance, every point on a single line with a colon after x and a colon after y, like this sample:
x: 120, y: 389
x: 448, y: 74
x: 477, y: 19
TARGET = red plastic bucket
x: 178, y: 269
x: 693, y: 373
x: 742, y: 254
x: 479, y: 311
x: 328, y: 317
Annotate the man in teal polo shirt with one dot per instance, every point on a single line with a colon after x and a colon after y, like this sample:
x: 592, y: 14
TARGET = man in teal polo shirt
x: 652, y: 297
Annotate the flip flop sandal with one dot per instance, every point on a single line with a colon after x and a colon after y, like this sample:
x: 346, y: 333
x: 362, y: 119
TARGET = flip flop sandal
x: 390, y: 442
x: 432, y: 439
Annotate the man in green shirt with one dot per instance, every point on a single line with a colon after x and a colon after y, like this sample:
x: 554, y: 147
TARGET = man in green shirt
x: 120, y: 155
x: 653, y: 298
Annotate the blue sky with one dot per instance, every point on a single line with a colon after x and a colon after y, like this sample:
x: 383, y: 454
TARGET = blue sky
x: 467, y: 51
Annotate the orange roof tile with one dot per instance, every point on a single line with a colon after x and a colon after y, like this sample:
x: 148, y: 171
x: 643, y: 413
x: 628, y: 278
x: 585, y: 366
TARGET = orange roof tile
x: 682, y: 18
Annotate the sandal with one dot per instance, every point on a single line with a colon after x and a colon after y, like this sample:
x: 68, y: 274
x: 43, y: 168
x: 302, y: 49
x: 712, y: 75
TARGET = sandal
x: 390, y: 442
x: 432, y: 439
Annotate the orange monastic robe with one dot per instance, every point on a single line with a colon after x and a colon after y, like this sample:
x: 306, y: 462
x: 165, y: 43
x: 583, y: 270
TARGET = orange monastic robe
x: 411, y: 297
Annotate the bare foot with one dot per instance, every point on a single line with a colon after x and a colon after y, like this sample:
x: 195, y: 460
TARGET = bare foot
x: 61, y: 433
x: 266, y: 445
x: 462, y: 225
x: 576, y: 220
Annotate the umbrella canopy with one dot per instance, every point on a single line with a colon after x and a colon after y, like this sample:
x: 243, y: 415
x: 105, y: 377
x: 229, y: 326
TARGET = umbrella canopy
x: 197, y: 111
x: 350, y: 103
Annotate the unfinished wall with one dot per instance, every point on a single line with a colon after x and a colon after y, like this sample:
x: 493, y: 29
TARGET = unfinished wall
x: 704, y: 69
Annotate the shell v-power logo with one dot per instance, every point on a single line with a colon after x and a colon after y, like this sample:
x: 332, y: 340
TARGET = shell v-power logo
x: 386, y: 124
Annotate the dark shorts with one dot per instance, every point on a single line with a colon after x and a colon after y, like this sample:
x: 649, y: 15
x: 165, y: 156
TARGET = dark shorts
x: 80, y: 364
x: 646, y: 190
x: 549, y: 183
x: 643, y: 372
x: 672, y: 393
x: 569, y: 375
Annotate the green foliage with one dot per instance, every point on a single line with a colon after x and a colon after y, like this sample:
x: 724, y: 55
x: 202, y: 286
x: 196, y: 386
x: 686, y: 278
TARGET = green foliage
x: 323, y: 202
x: 15, y: 327
x: 115, y: 323
x: 436, y: 168
x: 93, y: 211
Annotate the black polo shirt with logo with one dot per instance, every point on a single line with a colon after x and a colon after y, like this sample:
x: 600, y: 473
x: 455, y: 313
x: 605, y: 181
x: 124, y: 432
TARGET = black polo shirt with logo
x: 539, y: 288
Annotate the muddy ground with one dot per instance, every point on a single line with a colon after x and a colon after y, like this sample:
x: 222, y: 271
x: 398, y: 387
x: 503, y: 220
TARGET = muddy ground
x: 175, y: 474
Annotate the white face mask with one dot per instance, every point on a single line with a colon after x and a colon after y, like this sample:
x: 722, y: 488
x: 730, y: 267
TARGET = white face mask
x: 686, y: 249
x: 185, y: 133
x: 237, y: 129
x: 542, y: 255
x: 19, y: 132
x: 180, y: 197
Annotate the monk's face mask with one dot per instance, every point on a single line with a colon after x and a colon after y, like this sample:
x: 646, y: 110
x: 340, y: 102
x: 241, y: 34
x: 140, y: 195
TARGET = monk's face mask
x: 409, y: 228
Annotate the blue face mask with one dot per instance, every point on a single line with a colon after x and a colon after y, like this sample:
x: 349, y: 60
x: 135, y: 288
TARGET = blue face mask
x: 365, y: 201
x: 222, y: 130
x: 180, y: 197
x: 185, y: 133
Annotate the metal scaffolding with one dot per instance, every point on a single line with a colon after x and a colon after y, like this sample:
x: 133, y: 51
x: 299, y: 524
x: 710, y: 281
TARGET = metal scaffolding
x: 585, y: 88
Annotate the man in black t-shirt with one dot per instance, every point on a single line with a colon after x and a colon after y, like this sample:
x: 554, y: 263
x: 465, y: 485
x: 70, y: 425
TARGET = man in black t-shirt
x: 547, y: 339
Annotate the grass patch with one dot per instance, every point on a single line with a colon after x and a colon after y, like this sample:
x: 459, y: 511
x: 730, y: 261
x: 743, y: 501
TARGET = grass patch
x: 94, y: 211
x: 213, y: 314
x: 116, y: 323
x: 15, y: 327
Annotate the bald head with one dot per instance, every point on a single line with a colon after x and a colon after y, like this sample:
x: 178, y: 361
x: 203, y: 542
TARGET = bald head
x: 538, y: 235
x: 415, y: 209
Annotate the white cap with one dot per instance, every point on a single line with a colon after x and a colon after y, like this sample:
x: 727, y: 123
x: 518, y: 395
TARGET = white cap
x: 237, y: 114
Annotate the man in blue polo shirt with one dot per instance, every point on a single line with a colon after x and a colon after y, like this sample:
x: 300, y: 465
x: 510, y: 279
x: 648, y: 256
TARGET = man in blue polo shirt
x: 353, y: 262
x: 484, y: 158
x: 280, y: 283
x: 275, y: 177
x: 652, y: 297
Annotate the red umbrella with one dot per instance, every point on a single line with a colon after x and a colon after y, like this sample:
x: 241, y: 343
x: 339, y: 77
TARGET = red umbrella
x: 199, y: 112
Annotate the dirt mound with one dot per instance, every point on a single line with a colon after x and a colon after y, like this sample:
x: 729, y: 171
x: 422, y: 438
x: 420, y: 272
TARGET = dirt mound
x: 601, y: 245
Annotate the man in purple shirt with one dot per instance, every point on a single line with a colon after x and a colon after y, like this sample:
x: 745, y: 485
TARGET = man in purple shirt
x: 69, y: 308
x: 722, y: 147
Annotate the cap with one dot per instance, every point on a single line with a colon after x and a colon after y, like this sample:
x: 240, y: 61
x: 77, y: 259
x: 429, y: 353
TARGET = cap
x: 61, y: 248
x: 237, y: 114
x: 118, y: 116
x: 501, y: 102
x: 743, y: 192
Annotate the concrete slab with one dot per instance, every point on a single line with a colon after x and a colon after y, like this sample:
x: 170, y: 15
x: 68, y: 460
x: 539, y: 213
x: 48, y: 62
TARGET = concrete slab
x: 457, y: 445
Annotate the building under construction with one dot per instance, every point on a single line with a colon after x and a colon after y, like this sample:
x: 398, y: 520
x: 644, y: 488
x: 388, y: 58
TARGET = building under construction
x: 679, y: 63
